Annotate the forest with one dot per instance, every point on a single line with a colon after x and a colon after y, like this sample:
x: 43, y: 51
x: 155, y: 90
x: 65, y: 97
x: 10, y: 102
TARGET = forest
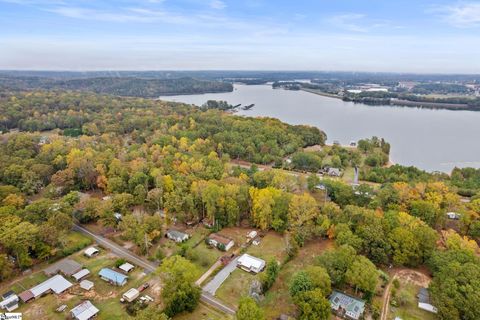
x: 119, y: 86
x: 177, y: 159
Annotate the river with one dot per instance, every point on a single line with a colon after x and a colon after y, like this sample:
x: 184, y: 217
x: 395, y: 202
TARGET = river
x: 433, y: 140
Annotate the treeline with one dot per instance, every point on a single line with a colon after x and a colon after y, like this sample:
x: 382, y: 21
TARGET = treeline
x: 119, y: 86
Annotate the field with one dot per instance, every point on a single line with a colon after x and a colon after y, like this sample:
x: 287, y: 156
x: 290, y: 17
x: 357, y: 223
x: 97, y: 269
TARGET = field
x: 203, y: 312
x: 409, y: 309
x: 104, y: 296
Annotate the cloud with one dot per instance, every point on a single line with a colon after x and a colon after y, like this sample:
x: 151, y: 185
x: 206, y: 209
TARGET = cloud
x: 349, y: 22
x: 461, y: 15
x: 217, y: 4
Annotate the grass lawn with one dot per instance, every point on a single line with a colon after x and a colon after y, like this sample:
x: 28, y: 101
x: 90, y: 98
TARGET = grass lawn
x: 410, y: 310
x: 203, y: 312
x: 28, y: 282
x: 235, y: 287
x: 272, y: 245
x: 204, y: 256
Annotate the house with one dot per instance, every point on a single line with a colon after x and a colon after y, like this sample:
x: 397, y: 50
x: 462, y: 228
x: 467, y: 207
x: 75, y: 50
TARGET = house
x: 424, y: 301
x: 453, y: 215
x: 250, y: 263
x: 346, y: 306
x: 334, y: 172
x: 80, y: 274
x: 131, y: 295
x: 221, y: 242
x: 67, y: 267
x: 10, y: 303
x: 91, y: 252
x: 56, y: 284
x: 86, y: 285
x: 113, y: 277
x: 177, y: 236
x: 252, y: 234
x: 126, y: 267
x: 84, y: 311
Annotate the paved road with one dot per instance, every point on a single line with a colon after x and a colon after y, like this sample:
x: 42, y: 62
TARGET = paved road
x: 208, y: 298
x: 220, y: 277
x: 118, y: 250
x: 147, y: 265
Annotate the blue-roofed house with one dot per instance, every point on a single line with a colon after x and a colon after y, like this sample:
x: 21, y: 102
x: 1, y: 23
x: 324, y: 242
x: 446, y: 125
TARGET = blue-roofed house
x: 113, y: 277
x: 346, y: 306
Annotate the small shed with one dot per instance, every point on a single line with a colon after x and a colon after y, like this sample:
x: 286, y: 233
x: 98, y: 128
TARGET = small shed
x: 252, y: 234
x: 86, y: 285
x: 113, y: 277
x: 177, y: 236
x: 81, y: 274
x: 26, y: 296
x: 126, y: 267
x: 131, y: 295
x: 453, y: 215
x: 256, y: 241
x: 91, y: 252
x: 84, y: 311
x: 334, y: 172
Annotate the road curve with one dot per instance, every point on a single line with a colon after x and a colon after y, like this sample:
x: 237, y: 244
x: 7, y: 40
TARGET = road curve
x: 118, y: 250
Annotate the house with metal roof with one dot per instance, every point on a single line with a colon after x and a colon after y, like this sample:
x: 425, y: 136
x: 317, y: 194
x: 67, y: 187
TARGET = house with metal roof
x: 219, y: 241
x: 56, y: 284
x: 84, y: 311
x: 81, y: 274
x: 346, y: 306
x: 177, y: 236
x: 66, y: 267
x: 250, y: 263
x: 424, y: 302
x: 113, y: 277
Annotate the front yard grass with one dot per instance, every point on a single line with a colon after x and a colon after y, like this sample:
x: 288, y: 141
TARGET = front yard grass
x: 409, y: 310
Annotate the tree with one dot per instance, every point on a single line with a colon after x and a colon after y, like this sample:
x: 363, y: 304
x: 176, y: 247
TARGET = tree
x: 270, y: 275
x: 6, y: 267
x: 311, y: 278
x: 313, y: 305
x: 337, y: 262
x: 363, y: 275
x: 179, y: 292
x: 249, y: 310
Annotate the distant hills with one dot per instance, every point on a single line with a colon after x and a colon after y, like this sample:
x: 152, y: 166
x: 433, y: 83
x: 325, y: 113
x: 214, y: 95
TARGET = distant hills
x: 120, y: 86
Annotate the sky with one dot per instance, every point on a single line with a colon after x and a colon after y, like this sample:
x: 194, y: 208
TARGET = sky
x: 421, y: 36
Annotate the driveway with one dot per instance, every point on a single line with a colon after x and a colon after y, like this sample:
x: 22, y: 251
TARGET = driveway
x: 220, y: 277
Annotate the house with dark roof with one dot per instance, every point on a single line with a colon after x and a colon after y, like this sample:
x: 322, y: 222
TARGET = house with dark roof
x: 177, y: 236
x: 67, y: 267
x: 346, y: 306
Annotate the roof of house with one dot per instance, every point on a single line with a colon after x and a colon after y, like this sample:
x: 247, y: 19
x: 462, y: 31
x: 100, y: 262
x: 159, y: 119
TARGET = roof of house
x: 8, y: 294
x: 176, y: 234
x: 80, y: 274
x: 126, y: 267
x: 86, y: 284
x: 90, y: 251
x: 26, y: 295
x: 131, y: 293
x: 84, y: 310
x: 65, y: 266
x: 9, y: 302
x: 112, y: 275
x: 423, y: 296
x: 220, y: 239
x: 57, y: 284
x: 349, y: 303
x: 251, y: 261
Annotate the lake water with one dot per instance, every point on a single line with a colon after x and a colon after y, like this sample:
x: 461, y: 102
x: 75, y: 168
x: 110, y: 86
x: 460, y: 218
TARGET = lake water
x: 429, y: 139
